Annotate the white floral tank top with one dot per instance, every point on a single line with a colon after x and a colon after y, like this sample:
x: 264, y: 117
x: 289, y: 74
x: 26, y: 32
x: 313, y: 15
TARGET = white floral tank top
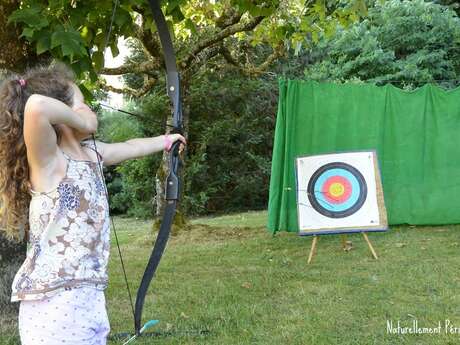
x: 69, y: 236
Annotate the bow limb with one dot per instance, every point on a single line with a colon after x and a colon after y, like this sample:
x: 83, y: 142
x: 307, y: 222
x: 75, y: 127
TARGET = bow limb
x: 172, y: 196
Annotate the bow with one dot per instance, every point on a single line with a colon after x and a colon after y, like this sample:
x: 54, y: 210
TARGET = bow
x: 172, y: 188
x: 172, y: 181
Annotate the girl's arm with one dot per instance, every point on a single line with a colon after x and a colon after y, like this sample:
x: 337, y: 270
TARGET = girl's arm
x: 136, y: 148
x: 40, y: 114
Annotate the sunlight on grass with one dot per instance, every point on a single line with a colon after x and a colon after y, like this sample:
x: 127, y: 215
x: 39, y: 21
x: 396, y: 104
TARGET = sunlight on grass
x: 247, y: 219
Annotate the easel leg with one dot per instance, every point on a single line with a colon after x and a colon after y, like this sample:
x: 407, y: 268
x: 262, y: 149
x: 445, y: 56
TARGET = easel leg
x: 374, y: 254
x: 312, y: 249
x: 344, y: 241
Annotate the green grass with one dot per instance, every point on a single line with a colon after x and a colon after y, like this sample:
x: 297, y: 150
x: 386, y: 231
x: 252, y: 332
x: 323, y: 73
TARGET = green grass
x: 229, y: 276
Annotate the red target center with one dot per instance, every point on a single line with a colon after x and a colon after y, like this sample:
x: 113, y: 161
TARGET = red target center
x: 336, y: 189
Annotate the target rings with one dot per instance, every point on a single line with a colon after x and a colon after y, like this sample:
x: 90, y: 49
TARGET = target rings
x: 337, y: 190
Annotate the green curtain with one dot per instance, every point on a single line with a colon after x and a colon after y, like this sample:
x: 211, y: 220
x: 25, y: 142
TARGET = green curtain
x: 416, y: 135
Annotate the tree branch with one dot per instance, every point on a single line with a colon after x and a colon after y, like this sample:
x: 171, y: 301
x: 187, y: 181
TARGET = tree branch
x: 261, y: 68
x: 228, y: 56
x: 204, y: 56
x: 220, y: 36
x: 249, y: 69
x: 149, y: 41
x: 146, y: 67
x: 228, y: 18
x: 146, y: 87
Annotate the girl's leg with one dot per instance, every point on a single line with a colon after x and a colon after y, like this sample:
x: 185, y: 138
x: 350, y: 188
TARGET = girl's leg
x: 75, y: 317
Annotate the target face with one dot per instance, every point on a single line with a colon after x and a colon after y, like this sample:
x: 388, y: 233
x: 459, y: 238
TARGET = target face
x: 339, y: 193
x: 337, y: 190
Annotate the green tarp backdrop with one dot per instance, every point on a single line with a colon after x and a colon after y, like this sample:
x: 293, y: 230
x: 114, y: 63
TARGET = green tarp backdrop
x: 416, y: 135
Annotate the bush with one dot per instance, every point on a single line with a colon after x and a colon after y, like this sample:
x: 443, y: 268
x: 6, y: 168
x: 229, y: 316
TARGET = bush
x: 231, y: 126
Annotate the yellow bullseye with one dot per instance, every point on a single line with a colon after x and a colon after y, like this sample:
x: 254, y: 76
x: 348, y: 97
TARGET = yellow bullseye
x: 336, y: 189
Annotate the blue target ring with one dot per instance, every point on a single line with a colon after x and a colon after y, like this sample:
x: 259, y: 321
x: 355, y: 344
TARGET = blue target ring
x: 355, y: 197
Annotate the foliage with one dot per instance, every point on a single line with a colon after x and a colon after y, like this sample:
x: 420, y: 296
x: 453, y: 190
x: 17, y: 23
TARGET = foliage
x: 76, y: 31
x: 68, y: 30
x: 232, y: 126
x: 409, y: 43
x: 453, y: 4
x: 133, y: 187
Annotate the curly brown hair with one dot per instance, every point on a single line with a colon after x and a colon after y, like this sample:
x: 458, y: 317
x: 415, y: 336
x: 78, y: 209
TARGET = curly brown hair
x: 52, y: 81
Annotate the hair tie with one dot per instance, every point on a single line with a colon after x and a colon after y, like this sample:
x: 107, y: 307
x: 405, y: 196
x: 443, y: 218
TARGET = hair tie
x: 22, y: 82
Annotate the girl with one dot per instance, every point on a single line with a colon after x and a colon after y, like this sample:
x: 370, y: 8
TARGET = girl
x: 51, y: 190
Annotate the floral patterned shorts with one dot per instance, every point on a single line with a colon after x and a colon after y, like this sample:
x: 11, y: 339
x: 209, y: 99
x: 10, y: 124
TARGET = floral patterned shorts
x: 72, y: 317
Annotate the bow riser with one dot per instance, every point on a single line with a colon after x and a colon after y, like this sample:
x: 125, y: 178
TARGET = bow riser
x: 172, y: 181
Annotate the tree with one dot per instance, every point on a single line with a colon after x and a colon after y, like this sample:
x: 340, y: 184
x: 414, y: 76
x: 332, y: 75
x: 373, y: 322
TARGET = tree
x: 408, y: 43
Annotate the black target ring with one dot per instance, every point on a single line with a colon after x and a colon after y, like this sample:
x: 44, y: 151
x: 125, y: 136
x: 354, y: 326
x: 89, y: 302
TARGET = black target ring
x: 342, y: 170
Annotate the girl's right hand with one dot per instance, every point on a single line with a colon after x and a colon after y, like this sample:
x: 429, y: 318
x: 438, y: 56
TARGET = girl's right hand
x: 87, y: 115
x: 85, y: 112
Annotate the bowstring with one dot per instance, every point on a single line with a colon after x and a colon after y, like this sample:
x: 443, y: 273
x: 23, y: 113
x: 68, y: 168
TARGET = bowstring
x: 112, y: 20
x: 103, y: 105
x: 101, y: 173
x: 107, y: 38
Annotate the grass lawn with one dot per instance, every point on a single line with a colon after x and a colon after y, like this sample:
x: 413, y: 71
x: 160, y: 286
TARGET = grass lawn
x: 229, y: 276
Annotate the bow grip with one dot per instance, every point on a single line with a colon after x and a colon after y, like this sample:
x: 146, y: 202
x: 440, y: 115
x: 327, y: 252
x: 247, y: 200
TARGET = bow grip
x: 172, y: 181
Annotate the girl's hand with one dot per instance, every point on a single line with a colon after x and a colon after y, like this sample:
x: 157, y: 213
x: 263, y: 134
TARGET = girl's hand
x: 85, y: 112
x: 88, y: 116
x: 170, y: 139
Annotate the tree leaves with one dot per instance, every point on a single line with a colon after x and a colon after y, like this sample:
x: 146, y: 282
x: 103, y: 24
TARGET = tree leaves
x: 69, y: 41
x: 31, y: 16
x: 49, y: 35
x: 43, y: 40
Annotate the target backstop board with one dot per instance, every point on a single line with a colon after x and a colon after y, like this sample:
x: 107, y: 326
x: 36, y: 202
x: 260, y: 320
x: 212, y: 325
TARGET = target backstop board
x: 340, y: 193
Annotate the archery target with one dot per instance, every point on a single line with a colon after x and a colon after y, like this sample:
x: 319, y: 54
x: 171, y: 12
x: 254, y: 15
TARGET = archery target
x: 339, y: 193
x: 337, y: 190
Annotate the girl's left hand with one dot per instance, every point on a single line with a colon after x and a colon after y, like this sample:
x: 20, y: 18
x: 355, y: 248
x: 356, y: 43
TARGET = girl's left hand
x: 175, y: 137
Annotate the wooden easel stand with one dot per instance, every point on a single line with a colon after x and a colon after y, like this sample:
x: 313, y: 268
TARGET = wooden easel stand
x: 344, y: 244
